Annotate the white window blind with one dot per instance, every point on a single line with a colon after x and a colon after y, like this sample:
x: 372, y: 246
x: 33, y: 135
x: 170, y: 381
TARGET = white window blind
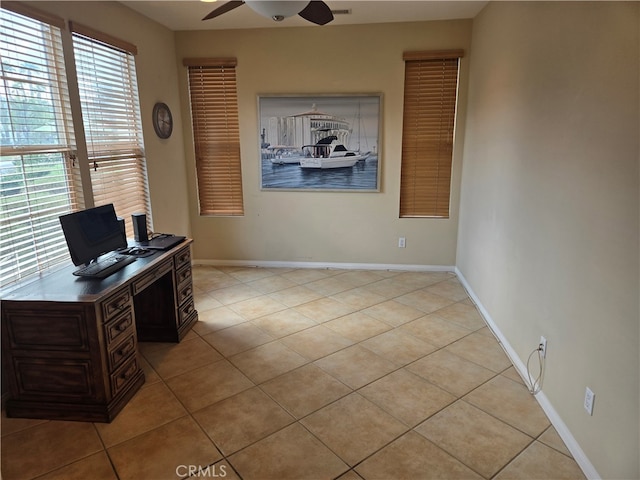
x: 111, y: 115
x: 36, y: 133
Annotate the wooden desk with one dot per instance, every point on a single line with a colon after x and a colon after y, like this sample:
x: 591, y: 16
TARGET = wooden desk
x: 69, y: 344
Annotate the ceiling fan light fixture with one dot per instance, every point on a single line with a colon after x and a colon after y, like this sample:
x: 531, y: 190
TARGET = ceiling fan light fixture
x: 277, y: 10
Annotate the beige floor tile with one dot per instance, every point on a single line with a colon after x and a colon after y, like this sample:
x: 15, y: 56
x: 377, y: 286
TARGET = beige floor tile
x: 204, y: 301
x: 391, y: 288
x: 357, y: 326
x: 281, y: 324
x: 305, y: 390
x: 551, y: 439
x: 267, y: 361
x: 209, y: 384
x: 474, y: 437
x: 541, y: 462
x: 435, y: 330
x: 241, y: 420
x: 419, y: 280
x: 163, y: 451
x: 295, y: 295
x: 307, y: 275
x: 413, y: 457
x: 451, y: 372
x: 271, y: 284
x: 150, y: 375
x: 316, y: 342
x: 234, y: 293
x: 512, y: 403
x: 152, y: 406
x: 250, y: 274
x: 330, y: 285
x: 393, y: 313
x: 482, y: 350
x: 464, y: 315
x: 407, y: 397
x: 257, y: 307
x: 46, y: 447
x: 12, y: 425
x: 512, y: 374
x: 350, y: 475
x: 324, y: 309
x: 216, y: 282
x: 289, y: 454
x: 238, y: 338
x: 424, y: 300
x: 356, y: 366
x: 182, y: 357
x: 353, y: 427
x: 216, y: 319
x: 358, y: 278
x: 399, y: 347
x: 95, y: 467
x: 359, y: 298
x: 451, y: 289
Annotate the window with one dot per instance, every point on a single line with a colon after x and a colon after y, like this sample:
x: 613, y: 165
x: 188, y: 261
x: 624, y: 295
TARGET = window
x: 41, y: 165
x: 431, y: 84
x: 216, y: 135
x: 38, y: 151
x: 111, y: 116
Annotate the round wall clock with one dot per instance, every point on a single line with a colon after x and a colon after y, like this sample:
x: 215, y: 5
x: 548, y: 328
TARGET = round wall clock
x: 162, y: 120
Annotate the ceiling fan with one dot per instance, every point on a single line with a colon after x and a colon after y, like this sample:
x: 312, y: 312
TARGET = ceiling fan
x: 314, y: 11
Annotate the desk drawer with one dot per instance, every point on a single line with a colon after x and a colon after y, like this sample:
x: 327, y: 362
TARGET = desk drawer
x: 186, y: 311
x: 117, y: 328
x: 126, y: 372
x: 183, y: 275
x: 183, y: 257
x: 147, y: 279
x: 121, y: 352
x: 116, y: 304
x: 185, y: 292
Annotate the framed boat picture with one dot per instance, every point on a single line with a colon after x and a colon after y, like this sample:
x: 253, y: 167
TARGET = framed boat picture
x: 320, y: 142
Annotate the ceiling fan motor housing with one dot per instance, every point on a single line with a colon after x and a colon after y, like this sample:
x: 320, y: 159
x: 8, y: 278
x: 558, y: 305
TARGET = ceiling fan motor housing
x: 277, y: 10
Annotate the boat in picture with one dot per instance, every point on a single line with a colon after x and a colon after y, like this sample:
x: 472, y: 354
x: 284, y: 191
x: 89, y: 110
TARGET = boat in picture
x: 329, y: 153
x: 284, y: 155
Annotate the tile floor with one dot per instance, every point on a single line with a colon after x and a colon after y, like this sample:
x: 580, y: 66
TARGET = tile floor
x: 312, y: 374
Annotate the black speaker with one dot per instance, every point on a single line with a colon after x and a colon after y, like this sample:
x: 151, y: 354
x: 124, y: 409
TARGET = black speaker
x: 139, y: 227
x: 123, y: 228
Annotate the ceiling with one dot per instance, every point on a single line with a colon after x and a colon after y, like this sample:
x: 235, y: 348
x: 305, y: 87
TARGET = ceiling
x: 188, y: 14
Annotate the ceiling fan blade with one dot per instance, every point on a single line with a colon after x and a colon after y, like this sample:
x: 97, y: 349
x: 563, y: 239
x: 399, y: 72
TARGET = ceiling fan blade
x: 227, y: 7
x: 317, y: 12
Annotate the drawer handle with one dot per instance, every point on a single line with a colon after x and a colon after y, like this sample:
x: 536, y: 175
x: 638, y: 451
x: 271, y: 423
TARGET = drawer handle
x: 187, y: 292
x: 125, y: 350
x: 189, y: 309
x: 122, y: 304
x: 129, y: 373
x: 123, y: 326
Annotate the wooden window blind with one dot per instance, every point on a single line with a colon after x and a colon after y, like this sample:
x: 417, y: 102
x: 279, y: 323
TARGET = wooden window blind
x: 431, y: 85
x: 112, y: 123
x: 38, y: 144
x: 216, y: 133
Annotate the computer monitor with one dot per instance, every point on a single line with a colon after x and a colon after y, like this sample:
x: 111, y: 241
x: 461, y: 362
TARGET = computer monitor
x: 92, y: 232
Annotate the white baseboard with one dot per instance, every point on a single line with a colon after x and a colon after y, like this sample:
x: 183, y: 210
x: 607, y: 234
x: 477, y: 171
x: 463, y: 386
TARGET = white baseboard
x: 326, y: 265
x: 578, y: 454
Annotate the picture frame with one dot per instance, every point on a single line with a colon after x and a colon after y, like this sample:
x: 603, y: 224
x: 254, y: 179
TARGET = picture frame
x: 324, y: 142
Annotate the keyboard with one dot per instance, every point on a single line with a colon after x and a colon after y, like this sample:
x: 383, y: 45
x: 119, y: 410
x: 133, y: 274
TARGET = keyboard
x: 105, y: 266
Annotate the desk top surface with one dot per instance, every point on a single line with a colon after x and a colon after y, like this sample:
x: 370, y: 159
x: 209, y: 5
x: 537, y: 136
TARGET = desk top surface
x: 62, y: 286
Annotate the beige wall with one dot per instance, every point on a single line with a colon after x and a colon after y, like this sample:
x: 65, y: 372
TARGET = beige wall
x: 323, y: 227
x: 157, y: 82
x: 548, y: 235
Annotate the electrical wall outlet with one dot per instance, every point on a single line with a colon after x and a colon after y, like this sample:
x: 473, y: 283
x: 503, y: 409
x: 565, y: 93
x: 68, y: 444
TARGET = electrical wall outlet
x: 589, y: 398
x: 402, y: 243
x: 543, y: 347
